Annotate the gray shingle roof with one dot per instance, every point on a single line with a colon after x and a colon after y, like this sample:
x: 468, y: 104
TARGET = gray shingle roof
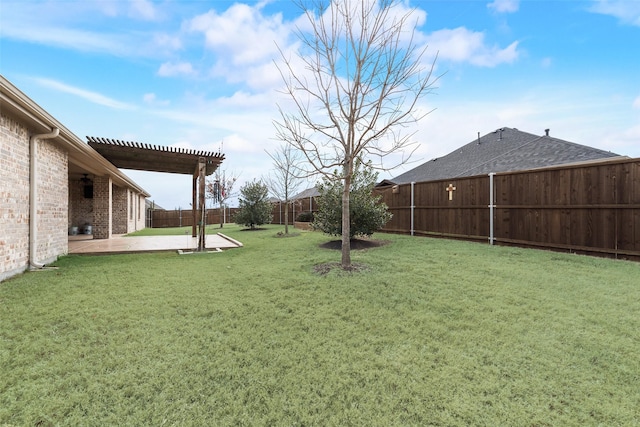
x: 309, y: 192
x: 506, y: 149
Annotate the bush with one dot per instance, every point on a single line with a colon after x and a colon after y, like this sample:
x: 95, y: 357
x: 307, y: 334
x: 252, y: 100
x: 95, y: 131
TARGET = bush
x: 305, y: 217
x: 255, y: 208
x: 367, y: 213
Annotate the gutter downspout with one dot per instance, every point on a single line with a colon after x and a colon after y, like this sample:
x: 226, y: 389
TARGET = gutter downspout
x: 33, y: 190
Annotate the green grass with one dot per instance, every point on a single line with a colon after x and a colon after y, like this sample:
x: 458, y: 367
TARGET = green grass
x: 435, y: 332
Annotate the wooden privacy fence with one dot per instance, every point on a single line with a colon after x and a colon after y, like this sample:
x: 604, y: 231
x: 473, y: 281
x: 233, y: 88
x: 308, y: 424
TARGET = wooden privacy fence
x: 296, y: 207
x: 184, y: 217
x: 589, y: 208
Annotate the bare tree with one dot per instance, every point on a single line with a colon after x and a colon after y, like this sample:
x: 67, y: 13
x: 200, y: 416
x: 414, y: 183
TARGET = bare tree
x: 355, y: 90
x: 219, y: 189
x: 284, y: 180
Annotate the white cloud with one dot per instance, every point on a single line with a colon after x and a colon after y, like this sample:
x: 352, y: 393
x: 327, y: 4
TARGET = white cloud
x: 244, y: 100
x: 143, y: 9
x: 244, y: 43
x: 636, y: 103
x: 167, y: 41
x: 90, y: 96
x: 463, y: 45
x: 627, y: 11
x: 241, y: 35
x: 399, y: 12
x: 504, y: 6
x: 72, y: 39
x: 169, y: 69
x: 88, y: 26
x: 152, y: 99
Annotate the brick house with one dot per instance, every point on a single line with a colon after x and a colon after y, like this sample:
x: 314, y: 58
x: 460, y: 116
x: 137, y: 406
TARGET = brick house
x: 53, y: 184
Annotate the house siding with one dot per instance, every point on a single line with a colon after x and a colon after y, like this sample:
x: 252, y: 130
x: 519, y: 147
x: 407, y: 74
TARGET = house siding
x: 80, y: 208
x: 14, y: 196
x: 52, y: 196
x: 102, y: 203
x: 52, y: 202
x: 120, y: 210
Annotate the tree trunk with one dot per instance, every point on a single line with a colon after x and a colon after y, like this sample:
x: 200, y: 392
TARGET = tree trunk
x: 203, y: 209
x: 346, y: 220
x: 286, y: 218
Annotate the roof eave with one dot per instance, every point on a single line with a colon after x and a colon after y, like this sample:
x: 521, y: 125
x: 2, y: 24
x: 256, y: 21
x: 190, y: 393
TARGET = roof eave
x: 16, y: 103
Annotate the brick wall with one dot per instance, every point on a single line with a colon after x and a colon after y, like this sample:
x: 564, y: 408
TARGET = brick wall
x: 102, y: 196
x: 52, y: 199
x: 127, y: 210
x: 14, y: 196
x: 80, y: 208
x: 120, y: 210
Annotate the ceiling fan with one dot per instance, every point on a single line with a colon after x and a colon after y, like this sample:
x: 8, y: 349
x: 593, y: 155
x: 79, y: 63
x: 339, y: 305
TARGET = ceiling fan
x: 85, y: 179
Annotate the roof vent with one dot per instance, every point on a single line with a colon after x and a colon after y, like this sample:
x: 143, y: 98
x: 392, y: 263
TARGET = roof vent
x: 478, y: 138
x: 546, y: 131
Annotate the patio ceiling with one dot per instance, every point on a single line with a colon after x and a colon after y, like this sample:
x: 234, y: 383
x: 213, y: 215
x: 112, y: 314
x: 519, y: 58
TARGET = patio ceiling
x: 146, y: 157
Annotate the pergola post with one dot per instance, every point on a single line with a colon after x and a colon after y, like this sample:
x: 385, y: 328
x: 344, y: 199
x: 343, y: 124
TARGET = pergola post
x: 202, y: 172
x: 194, y: 209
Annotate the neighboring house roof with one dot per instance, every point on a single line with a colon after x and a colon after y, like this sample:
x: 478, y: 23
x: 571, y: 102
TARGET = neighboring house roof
x: 506, y: 149
x: 309, y: 192
x: 150, y: 204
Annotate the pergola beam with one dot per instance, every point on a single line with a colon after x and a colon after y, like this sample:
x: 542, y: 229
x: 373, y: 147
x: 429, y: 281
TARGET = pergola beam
x: 137, y: 156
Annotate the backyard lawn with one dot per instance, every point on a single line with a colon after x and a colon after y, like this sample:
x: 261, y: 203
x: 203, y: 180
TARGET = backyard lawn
x: 427, y: 332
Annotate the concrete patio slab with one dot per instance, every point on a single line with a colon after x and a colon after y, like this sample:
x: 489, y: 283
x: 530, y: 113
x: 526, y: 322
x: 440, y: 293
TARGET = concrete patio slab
x: 83, y: 244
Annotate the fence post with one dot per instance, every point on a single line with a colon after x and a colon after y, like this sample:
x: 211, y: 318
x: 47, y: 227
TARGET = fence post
x: 413, y: 205
x: 491, y: 207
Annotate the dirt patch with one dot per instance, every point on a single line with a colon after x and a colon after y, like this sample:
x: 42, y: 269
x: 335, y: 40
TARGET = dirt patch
x: 323, y: 269
x: 356, y: 244
x: 290, y: 234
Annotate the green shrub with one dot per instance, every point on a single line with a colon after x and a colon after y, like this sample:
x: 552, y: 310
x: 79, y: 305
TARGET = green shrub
x: 255, y: 208
x: 367, y: 213
x: 305, y: 217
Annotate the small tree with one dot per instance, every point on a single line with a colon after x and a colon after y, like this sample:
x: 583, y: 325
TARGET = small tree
x: 284, y: 180
x: 255, y: 208
x: 220, y: 189
x: 355, y: 86
x: 367, y: 213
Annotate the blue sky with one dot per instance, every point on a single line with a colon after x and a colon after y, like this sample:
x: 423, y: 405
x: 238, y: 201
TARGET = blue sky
x: 200, y: 74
